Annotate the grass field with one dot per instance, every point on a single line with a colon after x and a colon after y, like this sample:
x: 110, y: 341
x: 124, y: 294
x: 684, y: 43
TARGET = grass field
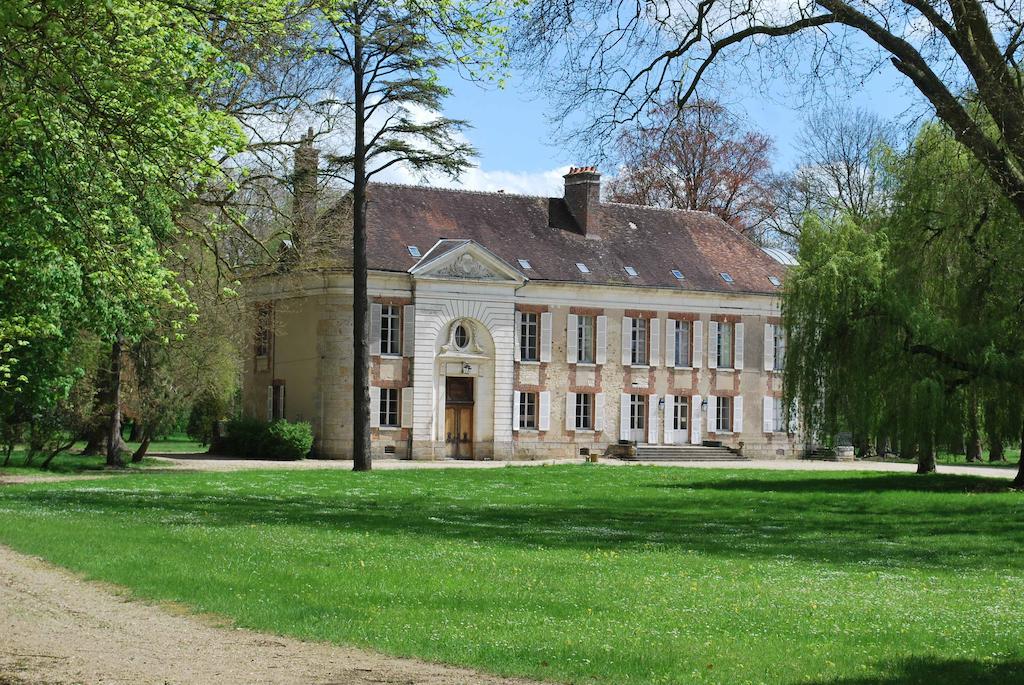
x: 575, y: 573
x: 74, y: 462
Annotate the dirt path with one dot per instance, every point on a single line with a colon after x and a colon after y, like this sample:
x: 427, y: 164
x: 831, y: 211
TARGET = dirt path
x: 58, y: 628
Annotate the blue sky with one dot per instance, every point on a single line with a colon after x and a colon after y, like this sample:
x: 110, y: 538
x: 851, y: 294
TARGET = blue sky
x: 513, y: 137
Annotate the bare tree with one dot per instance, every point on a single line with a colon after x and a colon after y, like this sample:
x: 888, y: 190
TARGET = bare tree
x: 620, y: 58
x: 697, y: 157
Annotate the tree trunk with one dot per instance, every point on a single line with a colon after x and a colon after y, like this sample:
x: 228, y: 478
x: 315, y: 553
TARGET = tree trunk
x: 995, y: 448
x: 96, y: 440
x: 926, y: 453
x: 361, y: 460
x: 140, y: 453
x: 1018, y: 482
x: 881, y: 445
x: 46, y: 462
x: 137, y: 432
x: 862, y: 444
x: 973, y: 430
x: 114, y: 441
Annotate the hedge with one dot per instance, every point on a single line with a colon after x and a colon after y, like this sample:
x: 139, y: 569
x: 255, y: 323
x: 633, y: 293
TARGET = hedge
x: 257, y: 439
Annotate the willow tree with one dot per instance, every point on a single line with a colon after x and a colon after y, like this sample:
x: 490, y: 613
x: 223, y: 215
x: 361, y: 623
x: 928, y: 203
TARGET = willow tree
x: 913, y: 309
x: 389, y: 53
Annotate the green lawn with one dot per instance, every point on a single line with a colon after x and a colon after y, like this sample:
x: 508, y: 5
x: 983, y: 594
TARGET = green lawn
x: 577, y: 573
x: 74, y: 462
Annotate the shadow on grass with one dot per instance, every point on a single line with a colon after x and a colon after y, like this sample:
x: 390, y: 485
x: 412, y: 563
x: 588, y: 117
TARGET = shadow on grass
x: 928, y: 671
x: 929, y: 522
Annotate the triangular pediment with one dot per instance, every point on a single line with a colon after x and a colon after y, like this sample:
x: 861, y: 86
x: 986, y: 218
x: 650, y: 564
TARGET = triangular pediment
x: 465, y: 260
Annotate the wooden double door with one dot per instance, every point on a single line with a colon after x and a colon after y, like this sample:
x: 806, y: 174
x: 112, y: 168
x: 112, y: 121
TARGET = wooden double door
x: 458, y: 417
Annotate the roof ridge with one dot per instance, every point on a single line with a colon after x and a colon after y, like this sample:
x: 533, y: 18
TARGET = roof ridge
x: 662, y: 209
x: 466, y: 191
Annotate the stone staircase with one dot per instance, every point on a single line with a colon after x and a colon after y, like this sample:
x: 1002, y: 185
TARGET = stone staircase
x: 682, y: 453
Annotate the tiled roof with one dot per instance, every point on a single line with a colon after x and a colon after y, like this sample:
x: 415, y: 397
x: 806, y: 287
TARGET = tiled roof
x: 542, y: 230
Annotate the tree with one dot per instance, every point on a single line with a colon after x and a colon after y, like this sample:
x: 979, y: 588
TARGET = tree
x: 390, y: 52
x: 697, y: 157
x: 617, y: 60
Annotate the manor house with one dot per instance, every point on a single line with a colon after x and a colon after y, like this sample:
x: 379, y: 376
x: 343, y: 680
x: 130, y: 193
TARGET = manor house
x: 514, y: 327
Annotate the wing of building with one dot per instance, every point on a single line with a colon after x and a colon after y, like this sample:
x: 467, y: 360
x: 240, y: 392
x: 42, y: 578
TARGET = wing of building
x: 515, y: 327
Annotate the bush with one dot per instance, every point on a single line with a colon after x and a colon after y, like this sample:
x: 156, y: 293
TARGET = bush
x: 207, y: 410
x: 252, y: 438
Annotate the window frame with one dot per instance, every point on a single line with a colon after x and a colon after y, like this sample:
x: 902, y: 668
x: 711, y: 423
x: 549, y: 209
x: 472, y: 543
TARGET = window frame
x: 585, y: 405
x: 529, y: 328
x: 638, y: 412
x: 390, y: 330
x: 778, y: 416
x: 731, y: 361
x: 681, y: 413
x: 529, y: 401
x: 779, y: 345
x: 390, y: 408
x: 680, y: 363
x: 638, y: 325
x: 586, y: 325
x: 263, y: 333
x: 723, y: 414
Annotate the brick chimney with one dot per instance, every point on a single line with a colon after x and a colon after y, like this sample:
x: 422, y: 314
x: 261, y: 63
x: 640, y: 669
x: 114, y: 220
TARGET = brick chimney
x: 583, y: 196
x: 304, y: 186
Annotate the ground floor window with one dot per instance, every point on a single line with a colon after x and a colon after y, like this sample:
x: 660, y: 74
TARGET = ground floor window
x: 723, y: 414
x: 637, y: 412
x: 680, y: 420
x: 777, y: 416
x: 528, y: 410
x: 389, y: 402
x: 584, y: 411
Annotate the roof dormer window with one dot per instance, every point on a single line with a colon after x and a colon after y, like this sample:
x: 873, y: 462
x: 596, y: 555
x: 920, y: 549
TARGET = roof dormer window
x: 582, y: 267
x: 775, y: 281
x: 525, y: 263
x: 630, y: 271
x: 726, y: 277
x: 414, y: 251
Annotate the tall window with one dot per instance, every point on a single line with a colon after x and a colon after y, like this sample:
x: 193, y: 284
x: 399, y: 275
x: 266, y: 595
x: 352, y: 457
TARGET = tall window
x: 639, y: 342
x: 528, y: 337
x: 528, y: 410
x: 725, y: 332
x: 585, y: 327
x: 264, y: 322
x: 637, y: 412
x: 681, y: 418
x: 723, y: 415
x: 777, y: 416
x: 779, y: 341
x: 584, y: 411
x: 682, y: 359
x: 389, y: 407
x: 390, y: 330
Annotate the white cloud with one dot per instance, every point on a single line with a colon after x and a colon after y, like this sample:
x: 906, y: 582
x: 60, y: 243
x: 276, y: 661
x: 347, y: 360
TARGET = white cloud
x: 546, y: 183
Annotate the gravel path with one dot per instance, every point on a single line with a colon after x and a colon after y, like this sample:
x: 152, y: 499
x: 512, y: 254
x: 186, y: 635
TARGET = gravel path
x: 58, y: 628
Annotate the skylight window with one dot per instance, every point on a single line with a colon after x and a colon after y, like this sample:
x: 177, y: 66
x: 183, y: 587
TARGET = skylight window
x: 582, y: 267
x: 630, y: 271
x: 677, y: 274
x: 726, y: 277
x: 414, y: 251
x: 525, y: 263
x: 775, y: 281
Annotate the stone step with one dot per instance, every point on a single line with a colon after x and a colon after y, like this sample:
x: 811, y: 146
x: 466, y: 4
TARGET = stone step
x: 682, y: 453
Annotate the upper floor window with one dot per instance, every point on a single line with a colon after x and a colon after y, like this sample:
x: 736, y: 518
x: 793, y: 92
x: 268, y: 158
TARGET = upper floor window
x: 779, y: 342
x: 528, y: 410
x: 584, y: 411
x: 638, y: 345
x: 585, y: 339
x: 390, y: 329
x: 725, y: 345
x: 389, y: 401
x: 529, y: 338
x: 723, y: 414
x: 264, y: 324
x: 683, y: 344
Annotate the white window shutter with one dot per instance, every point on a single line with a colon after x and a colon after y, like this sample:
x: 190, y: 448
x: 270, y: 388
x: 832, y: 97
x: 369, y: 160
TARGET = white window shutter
x: 374, y: 329
x: 695, y: 419
x: 769, y: 347
x: 409, y: 330
x: 571, y: 339
x: 544, y: 420
x: 697, y: 360
x: 737, y: 414
x: 602, y: 340
x: 669, y: 419
x: 670, y: 343
x: 599, y: 412
x: 713, y: 345
x: 769, y: 414
x: 570, y: 411
x: 652, y: 419
x: 516, y: 347
x: 712, y: 414
x: 516, y: 399
x: 545, y: 337
x: 407, y: 407
x: 624, y: 417
x: 737, y: 346
x: 374, y: 407
x: 627, y: 339
x: 270, y: 403
x: 654, y: 335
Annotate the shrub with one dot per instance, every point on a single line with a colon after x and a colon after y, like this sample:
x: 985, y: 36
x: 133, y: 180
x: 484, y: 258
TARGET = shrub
x: 207, y: 410
x: 253, y: 438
